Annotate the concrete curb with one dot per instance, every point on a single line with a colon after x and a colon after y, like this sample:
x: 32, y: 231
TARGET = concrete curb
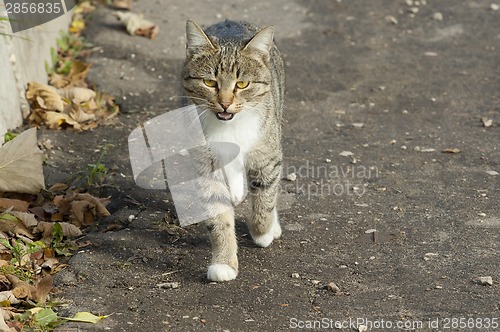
x: 22, y: 59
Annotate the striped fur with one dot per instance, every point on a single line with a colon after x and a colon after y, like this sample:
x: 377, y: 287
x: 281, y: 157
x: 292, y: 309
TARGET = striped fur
x: 226, y: 53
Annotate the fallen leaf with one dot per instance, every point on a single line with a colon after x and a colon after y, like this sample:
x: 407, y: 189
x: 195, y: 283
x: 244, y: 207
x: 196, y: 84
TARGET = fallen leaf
x: 47, y: 229
x: 85, y: 317
x: 453, y: 150
x: 43, y: 288
x: 58, y: 81
x: 50, y: 263
x: 78, y: 72
x: 3, y: 326
x: 84, y: 209
x: 45, y: 316
x: 80, y: 116
x: 45, y: 96
x: 121, y: 4
x: 20, y: 289
x: 56, y: 119
x: 137, y: 25
x: 13, y: 204
x: 11, y: 224
x: 21, y: 164
x: 8, y: 296
x: 76, y: 94
x: 77, y: 26
x: 28, y: 219
x: 58, y: 187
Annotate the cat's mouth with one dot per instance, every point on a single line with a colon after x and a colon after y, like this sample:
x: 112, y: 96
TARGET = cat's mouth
x: 225, y: 116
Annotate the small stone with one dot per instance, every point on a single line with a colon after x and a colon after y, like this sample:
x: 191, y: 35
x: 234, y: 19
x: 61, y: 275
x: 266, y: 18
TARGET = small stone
x: 439, y: 287
x: 492, y: 172
x: 328, y: 160
x: 494, y: 7
x: 358, y: 125
x: 295, y: 275
x: 315, y: 282
x: 291, y: 177
x: 403, y: 147
x: 343, y: 267
x: 169, y: 285
x: 184, y: 152
x: 323, y: 219
x: 405, y: 112
x: 131, y: 218
x: 409, y: 3
x: 437, y: 16
x: 482, y: 214
x: 414, y: 10
x: 362, y: 328
x: 346, y: 153
x: 332, y: 287
x: 487, y: 122
x: 486, y: 281
x: 369, y: 231
x: 391, y: 19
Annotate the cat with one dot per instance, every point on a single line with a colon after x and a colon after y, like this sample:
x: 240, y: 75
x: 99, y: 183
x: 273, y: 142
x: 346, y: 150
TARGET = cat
x: 234, y: 73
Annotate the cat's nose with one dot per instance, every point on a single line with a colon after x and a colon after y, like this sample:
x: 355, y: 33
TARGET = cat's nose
x: 225, y: 104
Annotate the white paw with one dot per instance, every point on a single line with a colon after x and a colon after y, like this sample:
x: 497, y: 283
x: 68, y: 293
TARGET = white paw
x: 265, y: 240
x: 221, y: 272
x: 237, y: 189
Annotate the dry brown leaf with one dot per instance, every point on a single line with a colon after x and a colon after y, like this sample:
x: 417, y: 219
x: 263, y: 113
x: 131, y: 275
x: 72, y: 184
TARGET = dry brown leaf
x: 43, y: 288
x: 28, y: 219
x: 47, y: 229
x: 137, y: 25
x: 21, y: 164
x: 10, y: 224
x: 83, y: 213
x: 8, y: 296
x: 121, y: 4
x: 77, y: 95
x: 14, y: 204
x: 55, y: 120
x: 3, y: 326
x: 50, y: 263
x: 80, y: 116
x: 453, y: 150
x: 58, y: 187
x: 58, y: 81
x: 20, y: 288
x: 64, y: 203
x: 78, y: 72
x: 45, y: 96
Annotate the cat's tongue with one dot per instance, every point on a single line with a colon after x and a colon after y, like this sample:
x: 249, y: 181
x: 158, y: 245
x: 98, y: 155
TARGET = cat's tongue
x: 225, y: 116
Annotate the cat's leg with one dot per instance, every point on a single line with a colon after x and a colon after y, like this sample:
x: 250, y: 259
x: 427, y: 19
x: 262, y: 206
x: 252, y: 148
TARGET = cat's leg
x: 264, y: 224
x: 224, y: 264
x: 234, y: 173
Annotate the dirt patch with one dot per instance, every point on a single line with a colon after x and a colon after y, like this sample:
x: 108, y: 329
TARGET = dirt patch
x: 422, y: 84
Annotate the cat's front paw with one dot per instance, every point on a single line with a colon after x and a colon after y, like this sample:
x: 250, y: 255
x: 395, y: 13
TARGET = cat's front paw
x: 237, y: 190
x: 264, y: 240
x: 221, y: 272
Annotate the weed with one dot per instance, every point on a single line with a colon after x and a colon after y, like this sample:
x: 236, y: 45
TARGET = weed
x: 97, y: 171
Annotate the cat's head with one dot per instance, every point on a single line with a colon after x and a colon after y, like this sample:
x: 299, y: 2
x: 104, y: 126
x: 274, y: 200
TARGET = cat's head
x: 227, y: 75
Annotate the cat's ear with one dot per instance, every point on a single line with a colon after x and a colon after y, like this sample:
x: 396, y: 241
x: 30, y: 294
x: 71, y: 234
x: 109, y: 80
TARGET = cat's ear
x: 262, y: 41
x: 196, y: 37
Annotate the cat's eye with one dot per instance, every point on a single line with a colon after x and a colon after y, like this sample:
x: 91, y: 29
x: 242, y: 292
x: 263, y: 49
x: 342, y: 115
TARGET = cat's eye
x: 210, y: 83
x: 242, y: 84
